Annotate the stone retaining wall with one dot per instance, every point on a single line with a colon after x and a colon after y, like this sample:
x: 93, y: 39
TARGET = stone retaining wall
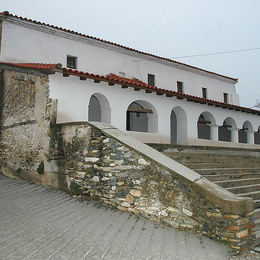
x: 104, y: 164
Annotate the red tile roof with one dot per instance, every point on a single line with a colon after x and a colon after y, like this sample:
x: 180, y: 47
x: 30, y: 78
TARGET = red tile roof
x: 6, y: 13
x: 37, y: 66
x: 113, y: 79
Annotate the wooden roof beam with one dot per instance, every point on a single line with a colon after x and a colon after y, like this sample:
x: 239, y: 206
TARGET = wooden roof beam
x: 139, y: 110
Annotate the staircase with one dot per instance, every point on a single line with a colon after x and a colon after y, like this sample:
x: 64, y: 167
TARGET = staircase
x: 237, y: 170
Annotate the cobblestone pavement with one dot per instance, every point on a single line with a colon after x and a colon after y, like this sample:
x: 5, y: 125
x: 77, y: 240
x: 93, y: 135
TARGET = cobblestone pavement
x: 40, y: 223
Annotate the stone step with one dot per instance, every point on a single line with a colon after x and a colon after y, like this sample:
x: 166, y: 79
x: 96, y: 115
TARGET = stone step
x: 257, y: 204
x: 213, y: 153
x: 257, y: 241
x: 218, y: 171
x: 254, y: 195
x: 232, y: 176
x: 257, y: 229
x: 257, y: 214
x: 210, y: 157
x: 237, y: 183
x: 191, y: 160
x: 216, y: 165
x: 244, y: 188
x: 257, y: 224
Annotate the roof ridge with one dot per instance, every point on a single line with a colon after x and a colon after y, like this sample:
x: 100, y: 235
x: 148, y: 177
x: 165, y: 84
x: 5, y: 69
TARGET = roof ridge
x: 7, y: 13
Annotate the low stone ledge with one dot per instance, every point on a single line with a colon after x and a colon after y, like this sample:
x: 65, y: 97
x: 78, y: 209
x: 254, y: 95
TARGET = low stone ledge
x: 227, y: 201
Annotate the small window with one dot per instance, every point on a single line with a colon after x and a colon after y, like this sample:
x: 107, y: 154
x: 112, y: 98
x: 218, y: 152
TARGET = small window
x: 151, y: 80
x: 71, y: 62
x: 225, y: 95
x: 122, y: 74
x: 204, y: 93
x: 180, y: 86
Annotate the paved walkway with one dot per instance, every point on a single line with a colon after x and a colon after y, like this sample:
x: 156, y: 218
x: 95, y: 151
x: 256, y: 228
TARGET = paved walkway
x: 40, y: 223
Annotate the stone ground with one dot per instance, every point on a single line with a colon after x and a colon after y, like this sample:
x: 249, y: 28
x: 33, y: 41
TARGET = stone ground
x: 40, y: 223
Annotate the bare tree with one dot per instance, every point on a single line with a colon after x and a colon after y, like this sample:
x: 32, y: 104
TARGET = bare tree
x: 257, y: 104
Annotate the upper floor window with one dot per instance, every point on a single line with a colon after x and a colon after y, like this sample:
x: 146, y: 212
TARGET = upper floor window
x: 151, y: 80
x: 71, y: 62
x: 180, y: 86
x: 122, y: 74
x: 204, y: 93
x: 225, y: 95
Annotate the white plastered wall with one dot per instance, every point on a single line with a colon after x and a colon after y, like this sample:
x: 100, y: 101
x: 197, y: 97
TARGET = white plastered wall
x: 41, y: 44
x: 73, y: 99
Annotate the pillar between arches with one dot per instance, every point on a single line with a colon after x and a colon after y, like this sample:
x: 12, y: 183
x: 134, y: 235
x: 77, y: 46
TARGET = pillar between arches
x: 234, y: 135
x: 250, y: 137
x: 214, y: 132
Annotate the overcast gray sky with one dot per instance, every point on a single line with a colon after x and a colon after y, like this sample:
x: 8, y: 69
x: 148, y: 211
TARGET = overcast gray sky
x: 167, y: 28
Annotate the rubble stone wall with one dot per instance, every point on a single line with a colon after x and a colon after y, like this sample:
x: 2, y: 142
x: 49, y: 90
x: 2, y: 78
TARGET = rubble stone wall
x: 98, y: 166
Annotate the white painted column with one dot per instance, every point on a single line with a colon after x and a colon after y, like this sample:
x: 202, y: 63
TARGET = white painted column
x: 234, y: 135
x: 214, y: 132
x: 250, y: 137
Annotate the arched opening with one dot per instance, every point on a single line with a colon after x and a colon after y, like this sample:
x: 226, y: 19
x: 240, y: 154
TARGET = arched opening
x: 141, y: 116
x: 242, y: 136
x: 204, y: 123
x: 94, y: 110
x: 203, y: 128
x: 99, y: 109
x: 224, y: 131
x: 242, y: 133
x: 257, y: 136
x: 178, y: 126
x: 173, y: 128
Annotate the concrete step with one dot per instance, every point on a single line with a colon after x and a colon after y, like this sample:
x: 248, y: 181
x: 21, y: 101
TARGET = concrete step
x: 237, y: 183
x: 200, y: 157
x: 218, y: 171
x: 213, y: 160
x: 257, y: 241
x: 257, y: 224
x: 215, y: 165
x: 254, y: 195
x: 244, y: 188
x: 257, y: 214
x: 257, y: 229
x: 257, y: 204
x: 233, y: 176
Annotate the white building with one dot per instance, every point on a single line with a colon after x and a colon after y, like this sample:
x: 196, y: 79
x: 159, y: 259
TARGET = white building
x: 155, y: 99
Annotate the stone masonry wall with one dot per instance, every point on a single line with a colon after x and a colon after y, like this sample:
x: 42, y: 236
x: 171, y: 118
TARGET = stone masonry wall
x: 25, y: 126
x: 98, y: 166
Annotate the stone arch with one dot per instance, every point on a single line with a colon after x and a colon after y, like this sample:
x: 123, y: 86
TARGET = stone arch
x: 141, y: 116
x: 257, y: 136
x: 178, y: 123
x: 205, y: 120
x: 99, y: 108
x: 242, y: 133
x: 224, y: 131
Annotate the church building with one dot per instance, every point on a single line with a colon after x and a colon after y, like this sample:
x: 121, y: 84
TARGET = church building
x: 154, y: 99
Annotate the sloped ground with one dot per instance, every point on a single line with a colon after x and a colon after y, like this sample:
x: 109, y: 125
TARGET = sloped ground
x: 40, y: 223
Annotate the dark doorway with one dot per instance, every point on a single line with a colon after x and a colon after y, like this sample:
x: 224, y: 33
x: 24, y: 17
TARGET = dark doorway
x: 136, y: 118
x: 173, y: 128
x: 94, y: 113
